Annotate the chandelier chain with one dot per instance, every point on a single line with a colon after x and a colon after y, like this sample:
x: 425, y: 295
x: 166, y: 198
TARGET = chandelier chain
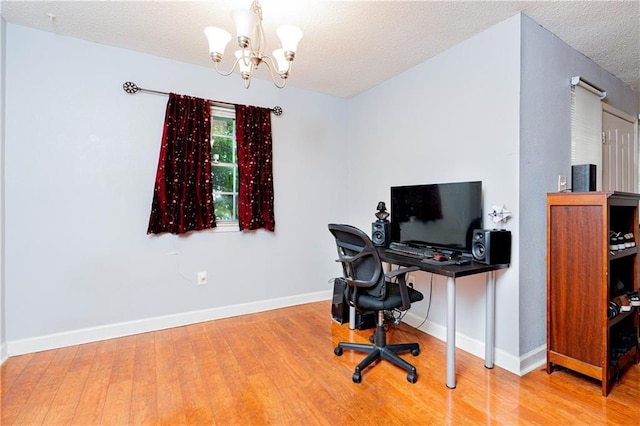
x: 256, y: 8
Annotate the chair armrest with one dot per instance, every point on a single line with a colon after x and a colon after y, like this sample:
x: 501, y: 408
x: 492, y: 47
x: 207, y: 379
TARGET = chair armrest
x: 401, y: 274
x: 396, y: 272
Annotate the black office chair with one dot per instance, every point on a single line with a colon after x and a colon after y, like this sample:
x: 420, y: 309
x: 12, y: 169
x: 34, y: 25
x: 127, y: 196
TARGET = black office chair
x: 369, y: 290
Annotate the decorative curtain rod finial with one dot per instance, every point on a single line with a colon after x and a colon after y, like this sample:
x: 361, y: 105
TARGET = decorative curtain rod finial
x: 130, y: 87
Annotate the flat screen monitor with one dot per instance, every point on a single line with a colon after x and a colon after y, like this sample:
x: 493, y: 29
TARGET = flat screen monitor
x: 441, y: 216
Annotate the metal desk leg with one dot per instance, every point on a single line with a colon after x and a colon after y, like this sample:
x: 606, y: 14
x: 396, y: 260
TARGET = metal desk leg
x: 490, y: 320
x: 352, y: 318
x: 451, y: 333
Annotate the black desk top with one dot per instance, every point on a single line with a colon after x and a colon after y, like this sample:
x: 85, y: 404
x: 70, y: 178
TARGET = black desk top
x: 453, y: 271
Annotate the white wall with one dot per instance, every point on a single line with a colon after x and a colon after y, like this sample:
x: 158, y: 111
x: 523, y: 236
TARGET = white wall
x: 81, y: 157
x: 3, y: 338
x: 452, y: 118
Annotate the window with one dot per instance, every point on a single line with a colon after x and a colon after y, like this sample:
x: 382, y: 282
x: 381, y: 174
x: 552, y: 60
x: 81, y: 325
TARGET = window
x: 224, y: 165
x: 586, y: 126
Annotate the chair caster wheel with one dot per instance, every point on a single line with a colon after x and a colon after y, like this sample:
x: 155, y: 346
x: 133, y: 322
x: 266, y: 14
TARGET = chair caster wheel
x: 338, y: 351
x: 412, y: 377
x: 372, y: 338
x: 357, y: 377
x: 415, y: 352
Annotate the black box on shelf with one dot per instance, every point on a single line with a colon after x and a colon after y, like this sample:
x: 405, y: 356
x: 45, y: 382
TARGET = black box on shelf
x: 583, y: 178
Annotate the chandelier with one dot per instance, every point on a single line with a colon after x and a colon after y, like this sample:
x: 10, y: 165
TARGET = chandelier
x: 251, y: 42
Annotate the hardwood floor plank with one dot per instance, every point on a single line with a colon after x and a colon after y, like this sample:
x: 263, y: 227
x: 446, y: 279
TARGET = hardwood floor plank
x: 212, y: 360
x: 275, y: 343
x: 278, y: 368
x: 117, y: 404
x: 167, y: 377
x: 17, y: 393
x: 93, y: 396
x: 144, y: 391
x: 13, y: 371
x: 195, y: 396
x: 42, y: 395
x: 65, y: 402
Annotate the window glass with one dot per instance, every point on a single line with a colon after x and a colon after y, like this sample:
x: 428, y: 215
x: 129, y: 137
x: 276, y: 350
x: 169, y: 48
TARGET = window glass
x: 224, y: 164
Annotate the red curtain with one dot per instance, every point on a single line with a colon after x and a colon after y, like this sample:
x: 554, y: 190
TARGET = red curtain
x: 255, y: 195
x: 183, y: 193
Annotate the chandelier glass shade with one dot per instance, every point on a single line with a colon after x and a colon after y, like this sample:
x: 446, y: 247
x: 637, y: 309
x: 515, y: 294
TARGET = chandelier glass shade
x: 251, y: 43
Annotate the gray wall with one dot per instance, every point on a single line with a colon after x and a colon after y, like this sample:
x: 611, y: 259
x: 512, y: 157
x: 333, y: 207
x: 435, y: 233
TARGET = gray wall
x: 545, y: 152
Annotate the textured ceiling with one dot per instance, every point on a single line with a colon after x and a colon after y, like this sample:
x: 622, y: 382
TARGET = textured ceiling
x: 348, y: 46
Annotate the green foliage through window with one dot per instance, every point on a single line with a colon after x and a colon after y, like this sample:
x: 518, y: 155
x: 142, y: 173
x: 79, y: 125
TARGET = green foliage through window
x: 224, y: 162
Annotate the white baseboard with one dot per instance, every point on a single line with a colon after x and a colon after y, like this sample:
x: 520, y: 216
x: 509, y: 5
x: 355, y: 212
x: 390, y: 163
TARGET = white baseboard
x: 93, y: 334
x: 533, y: 359
x: 4, y: 355
x: 516, y: 365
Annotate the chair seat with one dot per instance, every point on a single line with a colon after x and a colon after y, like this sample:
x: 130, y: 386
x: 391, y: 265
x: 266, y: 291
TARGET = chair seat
x: 392, y: 300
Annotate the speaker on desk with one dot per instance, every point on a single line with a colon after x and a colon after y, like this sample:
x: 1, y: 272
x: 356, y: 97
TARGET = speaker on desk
x: 491, y: 246
x: 381, y: 233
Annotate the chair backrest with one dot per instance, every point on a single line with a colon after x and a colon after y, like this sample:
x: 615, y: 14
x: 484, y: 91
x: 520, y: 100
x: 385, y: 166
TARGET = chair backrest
x: 361, y: 265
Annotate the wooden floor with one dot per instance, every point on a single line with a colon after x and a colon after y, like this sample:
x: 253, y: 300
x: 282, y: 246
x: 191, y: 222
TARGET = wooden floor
x: 278, y: 368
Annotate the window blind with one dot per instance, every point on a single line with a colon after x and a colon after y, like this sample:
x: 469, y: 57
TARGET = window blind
x: 586, y: 127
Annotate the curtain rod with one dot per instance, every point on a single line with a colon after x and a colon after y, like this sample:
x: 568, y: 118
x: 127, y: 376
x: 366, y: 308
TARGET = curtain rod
x: 579, y: 81
x: 132, y: 88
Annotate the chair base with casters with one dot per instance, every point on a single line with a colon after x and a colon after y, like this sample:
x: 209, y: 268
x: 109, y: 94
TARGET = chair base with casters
x: 380, y: 350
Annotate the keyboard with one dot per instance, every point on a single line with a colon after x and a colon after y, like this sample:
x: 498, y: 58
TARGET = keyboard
x: 417, y: 252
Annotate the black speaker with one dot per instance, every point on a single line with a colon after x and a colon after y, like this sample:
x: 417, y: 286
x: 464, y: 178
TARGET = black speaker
x: 381, y: 233
x: 583, y: 178
x: 339, y: 306
x: 491, y: 246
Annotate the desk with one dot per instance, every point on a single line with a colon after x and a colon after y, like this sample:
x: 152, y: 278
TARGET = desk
x: 452, y: 272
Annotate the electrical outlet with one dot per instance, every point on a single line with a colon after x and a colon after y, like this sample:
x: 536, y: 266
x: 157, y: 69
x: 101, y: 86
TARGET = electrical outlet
x: 202, y: 278
x: 562, y: 183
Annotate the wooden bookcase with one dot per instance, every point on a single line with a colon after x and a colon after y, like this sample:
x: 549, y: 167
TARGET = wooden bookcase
x: 583, y: 275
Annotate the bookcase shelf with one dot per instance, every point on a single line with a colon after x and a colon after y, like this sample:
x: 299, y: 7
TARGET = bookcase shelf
x: 583, y: 276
